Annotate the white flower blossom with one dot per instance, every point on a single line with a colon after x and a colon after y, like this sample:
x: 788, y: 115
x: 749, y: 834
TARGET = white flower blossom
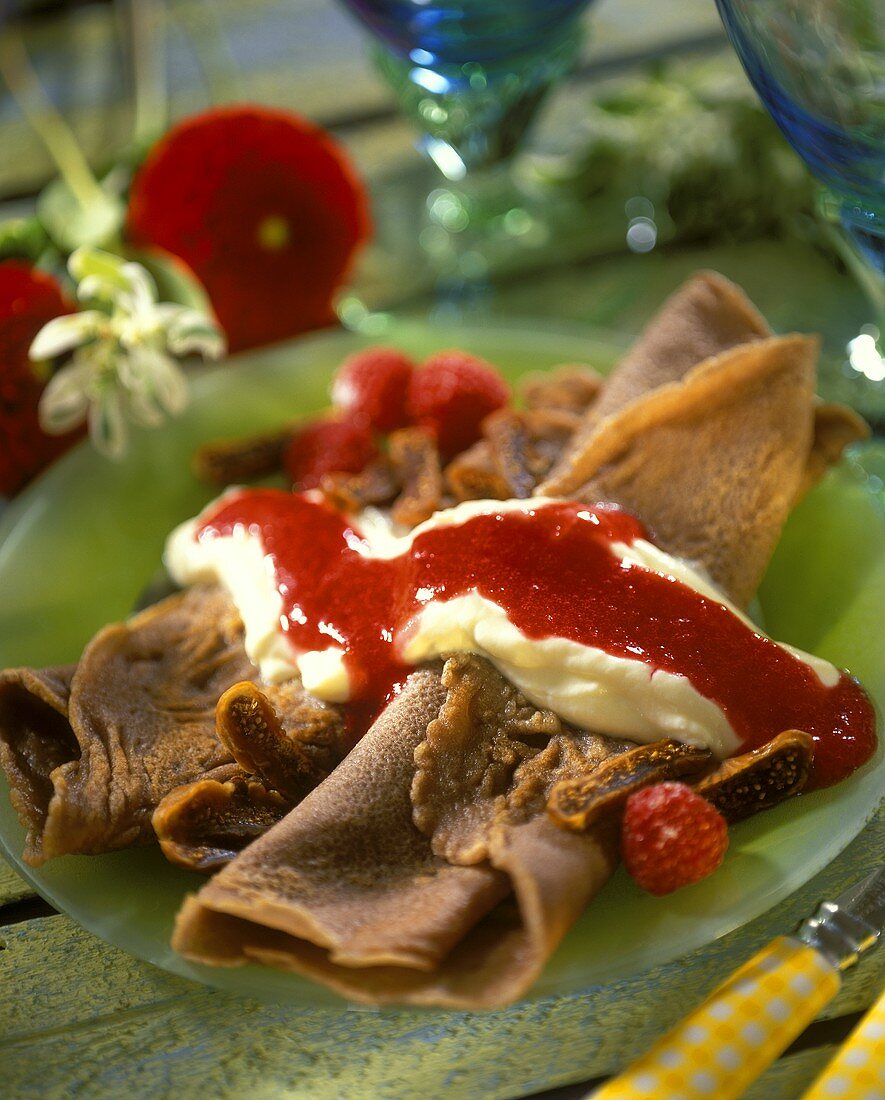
x: 125, y: 351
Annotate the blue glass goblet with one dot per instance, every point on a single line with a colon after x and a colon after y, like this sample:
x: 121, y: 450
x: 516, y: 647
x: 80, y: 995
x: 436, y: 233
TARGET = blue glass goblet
x: 819, y: 68
x: 472, y: 74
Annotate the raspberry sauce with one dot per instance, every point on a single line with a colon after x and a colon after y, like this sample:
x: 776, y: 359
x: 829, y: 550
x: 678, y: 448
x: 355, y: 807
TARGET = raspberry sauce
x: 552, y: 570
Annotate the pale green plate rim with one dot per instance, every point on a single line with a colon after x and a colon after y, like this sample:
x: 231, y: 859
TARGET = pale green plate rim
x: 825, y: 590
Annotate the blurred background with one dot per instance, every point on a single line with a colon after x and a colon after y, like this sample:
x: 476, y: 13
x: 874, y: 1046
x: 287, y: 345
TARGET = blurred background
x: 652, y: 158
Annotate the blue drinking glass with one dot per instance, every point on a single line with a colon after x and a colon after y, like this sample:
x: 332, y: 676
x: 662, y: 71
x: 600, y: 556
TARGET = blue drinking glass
x: 471, y: 74
x: 819, y: 68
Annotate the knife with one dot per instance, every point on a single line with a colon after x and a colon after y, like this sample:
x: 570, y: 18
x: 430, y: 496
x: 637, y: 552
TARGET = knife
x: 857, y: 1072
x: 747, y: 1022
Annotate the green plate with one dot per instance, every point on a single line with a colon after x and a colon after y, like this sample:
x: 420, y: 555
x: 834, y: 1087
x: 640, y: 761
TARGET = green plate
x: 78, y: 548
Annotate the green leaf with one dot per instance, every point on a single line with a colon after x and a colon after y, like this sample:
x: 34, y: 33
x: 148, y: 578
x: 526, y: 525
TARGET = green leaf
x: 22, y: 238
x: 72, y: 225
x: 175, y: 280
x: 104, y: 269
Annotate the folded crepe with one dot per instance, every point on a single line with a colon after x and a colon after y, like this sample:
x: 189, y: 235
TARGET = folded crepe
x: 89, y: 750
x: 707, y: 315
x: 426, y: 868
x: 347, y: 889
x: 730, y: 441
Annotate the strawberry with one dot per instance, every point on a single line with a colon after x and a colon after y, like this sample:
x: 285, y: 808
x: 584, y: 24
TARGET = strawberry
x: 327, y: 446
x: 370, y: 388
x: 451, y: 394
x: 671, y: 837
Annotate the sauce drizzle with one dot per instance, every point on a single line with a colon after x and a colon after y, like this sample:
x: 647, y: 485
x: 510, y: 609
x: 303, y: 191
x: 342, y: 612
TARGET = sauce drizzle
x: 553, y: 572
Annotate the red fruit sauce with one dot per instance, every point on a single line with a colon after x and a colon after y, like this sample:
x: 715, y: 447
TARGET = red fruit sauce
x: 553, y: 573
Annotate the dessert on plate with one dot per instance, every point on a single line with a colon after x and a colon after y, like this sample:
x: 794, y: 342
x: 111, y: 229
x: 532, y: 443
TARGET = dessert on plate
x: 404, y: 715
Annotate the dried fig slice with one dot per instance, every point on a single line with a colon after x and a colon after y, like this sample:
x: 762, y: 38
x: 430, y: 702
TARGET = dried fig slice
x: 203, y: 825
x: 576, y: 804
x: 571, y: 388
x: 415, y: 461
x: 474, y: 475
x: 248, y: 726
x: 376, y: 484
x: 761, y: 778
x: 230, y: 461
x: 527, y: 444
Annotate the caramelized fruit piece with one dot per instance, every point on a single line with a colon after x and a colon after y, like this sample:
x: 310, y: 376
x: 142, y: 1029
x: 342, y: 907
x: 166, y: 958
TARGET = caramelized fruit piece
x: 376, y: 484
x: 203, y: 825
x: 231, y: 461
x: 249, y: 728
x: 577, y: 804
x: 409, y: 478
x: 519, y: 449
x: 526, y: 445
x: 415, y: 460
x: 571, y: 388
x: 474, y: 475
x: 760, y: 779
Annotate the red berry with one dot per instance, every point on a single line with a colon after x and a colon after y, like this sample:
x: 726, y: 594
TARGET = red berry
x: 325, y: 447
x: 370, y: 388
x: 671, y: 837
x: 451, y: 394
x: 28, y: 299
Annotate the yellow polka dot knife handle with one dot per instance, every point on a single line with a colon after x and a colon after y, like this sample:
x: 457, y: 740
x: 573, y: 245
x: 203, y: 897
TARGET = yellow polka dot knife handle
x: 724, y: 1045
x: 858, y: 1070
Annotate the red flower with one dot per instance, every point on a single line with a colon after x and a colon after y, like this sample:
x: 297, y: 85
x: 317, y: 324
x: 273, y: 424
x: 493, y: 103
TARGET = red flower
x: 265, y: 209
x: 28, y: 299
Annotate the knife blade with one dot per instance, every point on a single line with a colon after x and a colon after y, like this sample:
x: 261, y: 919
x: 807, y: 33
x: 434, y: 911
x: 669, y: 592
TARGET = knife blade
x: 843, y: 929
x: 749, y: 1020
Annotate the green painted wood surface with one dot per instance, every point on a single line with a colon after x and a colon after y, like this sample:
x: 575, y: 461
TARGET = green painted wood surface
x: 114, y: 1024
x: 12, y: 887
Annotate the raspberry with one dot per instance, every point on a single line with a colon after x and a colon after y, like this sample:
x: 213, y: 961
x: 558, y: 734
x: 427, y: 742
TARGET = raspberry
x: 370, y: 388
x: 451, y: 394
x: 327, y: 446
x: 671, y: 837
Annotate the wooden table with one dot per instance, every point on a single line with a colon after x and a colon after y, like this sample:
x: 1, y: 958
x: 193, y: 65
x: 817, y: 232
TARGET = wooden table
x: 80, y: 1018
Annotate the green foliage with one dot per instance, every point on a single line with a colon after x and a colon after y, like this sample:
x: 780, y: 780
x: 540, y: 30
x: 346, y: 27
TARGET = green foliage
x: 22, y: 238
x: 71, y: 224
x: 692, y: 139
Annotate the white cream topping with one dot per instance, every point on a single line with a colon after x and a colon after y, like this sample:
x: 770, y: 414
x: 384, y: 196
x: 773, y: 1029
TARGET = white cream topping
x: 584, y: 685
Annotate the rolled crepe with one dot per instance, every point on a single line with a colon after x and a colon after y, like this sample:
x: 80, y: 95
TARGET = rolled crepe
x: 707, y: 315
x: 90, y: 750
x: 348, y: 890
x: 712, y: 464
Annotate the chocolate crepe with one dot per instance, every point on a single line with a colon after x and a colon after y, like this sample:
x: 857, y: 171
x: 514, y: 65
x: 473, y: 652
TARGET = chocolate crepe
x: 349, y: 890
x: 425, y: 868
x: 89, y: 751
x: 708, y: 439
x: 707, y: 315
x: 713, y: 463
